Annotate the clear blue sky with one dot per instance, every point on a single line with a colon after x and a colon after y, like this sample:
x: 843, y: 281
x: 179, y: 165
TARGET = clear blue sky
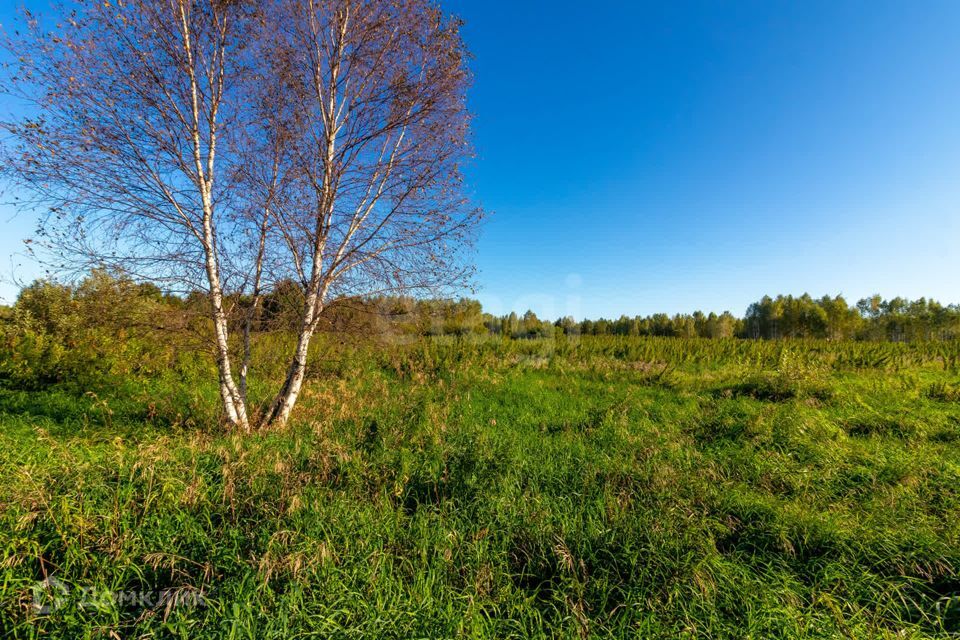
x: 672, y: 156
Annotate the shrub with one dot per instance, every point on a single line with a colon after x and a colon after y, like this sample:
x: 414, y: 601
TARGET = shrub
x: 83, y: 335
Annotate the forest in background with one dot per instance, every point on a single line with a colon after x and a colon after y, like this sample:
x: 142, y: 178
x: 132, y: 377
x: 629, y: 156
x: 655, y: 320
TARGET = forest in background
x: 101, y: 297
x: 109, y: 324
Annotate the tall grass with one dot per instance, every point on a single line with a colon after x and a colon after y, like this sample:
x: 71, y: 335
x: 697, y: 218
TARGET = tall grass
x: 595, y: 487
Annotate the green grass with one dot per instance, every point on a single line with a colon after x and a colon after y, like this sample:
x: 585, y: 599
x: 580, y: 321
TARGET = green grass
x: 595, y: 488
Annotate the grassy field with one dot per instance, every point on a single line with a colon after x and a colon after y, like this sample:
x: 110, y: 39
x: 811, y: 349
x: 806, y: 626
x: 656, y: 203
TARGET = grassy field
x: 600, y: 487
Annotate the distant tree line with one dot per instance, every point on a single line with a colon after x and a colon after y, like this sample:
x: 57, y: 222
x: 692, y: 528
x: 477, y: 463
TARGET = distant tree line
x: 872, y: 318
x: 831, y: 318
x: 48, y: 311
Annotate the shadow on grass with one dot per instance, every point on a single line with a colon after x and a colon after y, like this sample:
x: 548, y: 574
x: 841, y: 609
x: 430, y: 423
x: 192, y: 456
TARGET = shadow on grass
x: 68, y: 412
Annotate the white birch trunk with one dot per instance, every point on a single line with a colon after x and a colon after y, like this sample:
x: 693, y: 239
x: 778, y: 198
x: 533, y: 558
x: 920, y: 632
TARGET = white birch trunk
x: 287, y: 397
x: 234, y: 405
x: 233, y: 402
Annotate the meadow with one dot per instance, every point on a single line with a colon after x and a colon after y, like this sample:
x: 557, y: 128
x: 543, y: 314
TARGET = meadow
x: 488, y: 487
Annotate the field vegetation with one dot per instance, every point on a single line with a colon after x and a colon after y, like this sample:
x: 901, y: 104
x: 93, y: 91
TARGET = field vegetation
x: 258, y: 417
x: 473, y: 484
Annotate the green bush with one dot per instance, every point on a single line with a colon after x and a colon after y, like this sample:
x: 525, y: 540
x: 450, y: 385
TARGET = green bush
x: 86, y: 336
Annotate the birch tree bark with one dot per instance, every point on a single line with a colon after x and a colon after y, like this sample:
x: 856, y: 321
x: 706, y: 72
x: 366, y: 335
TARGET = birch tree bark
x: 124, y: 104
x: 229, y: 146
x: 377, y: 95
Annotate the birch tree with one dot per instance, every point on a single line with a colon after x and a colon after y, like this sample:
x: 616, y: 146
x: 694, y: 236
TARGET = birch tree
x: 229, y: 145
x: 374, y: 113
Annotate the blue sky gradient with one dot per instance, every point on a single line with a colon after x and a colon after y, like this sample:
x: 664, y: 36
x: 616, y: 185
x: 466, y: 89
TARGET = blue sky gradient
x: 671, y: 156
x: 685, y: 155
